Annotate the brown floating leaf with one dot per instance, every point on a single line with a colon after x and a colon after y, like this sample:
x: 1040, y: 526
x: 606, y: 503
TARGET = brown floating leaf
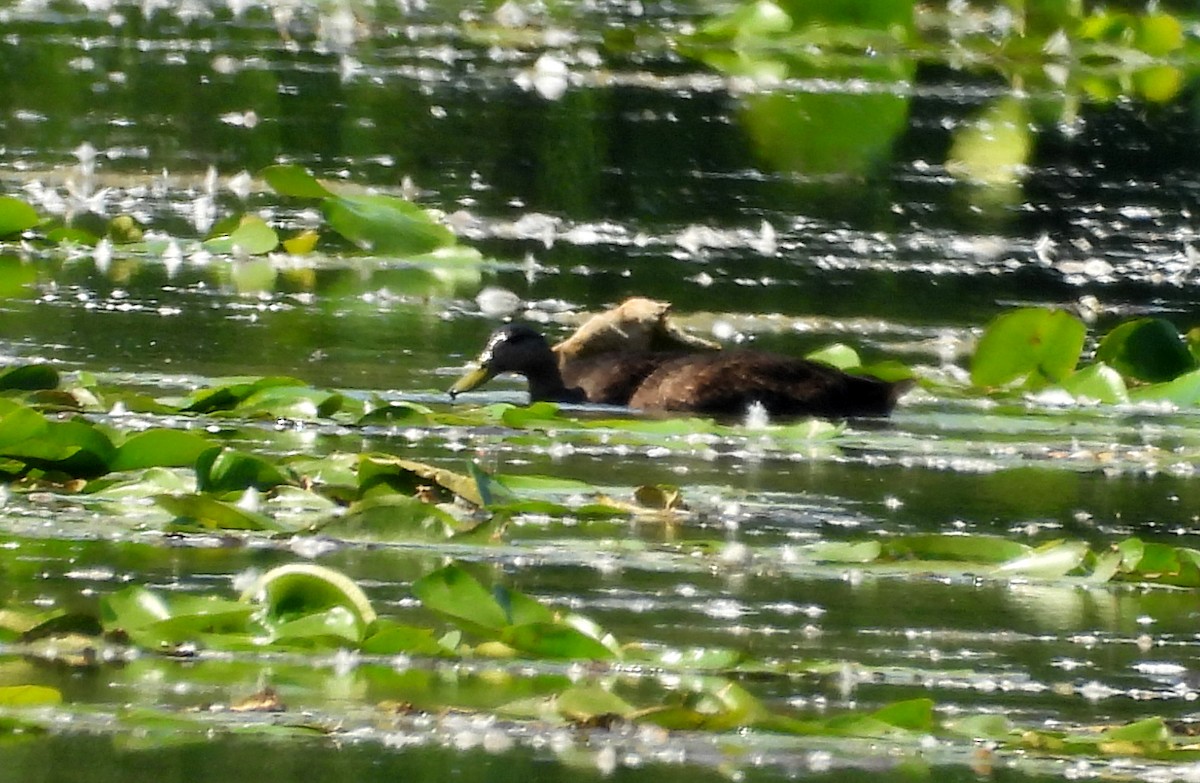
x: 266, y: 700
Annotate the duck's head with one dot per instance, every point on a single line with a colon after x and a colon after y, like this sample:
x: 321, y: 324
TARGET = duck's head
x: 516, y: 348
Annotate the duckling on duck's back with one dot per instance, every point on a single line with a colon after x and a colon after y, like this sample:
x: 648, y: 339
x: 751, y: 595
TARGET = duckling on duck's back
x: 719, y: 383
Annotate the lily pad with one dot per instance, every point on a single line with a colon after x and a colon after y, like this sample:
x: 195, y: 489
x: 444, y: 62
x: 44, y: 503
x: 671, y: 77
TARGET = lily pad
x: 16, y: 216
x: 1051, y: 561
x: 1148, y: 349
x: 453, y: 592
x: 386, y: 224
x: 15, y: 696
x: 160, y: 448
x: 289, y: 179
x: 213, y: 514
x: 292, y: 592
x: 1031, y: 344
x: 29, y: 377
x: 220, y: 470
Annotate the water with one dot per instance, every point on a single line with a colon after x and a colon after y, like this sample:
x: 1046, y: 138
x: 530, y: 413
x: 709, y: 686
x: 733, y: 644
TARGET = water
x: 821, y: 204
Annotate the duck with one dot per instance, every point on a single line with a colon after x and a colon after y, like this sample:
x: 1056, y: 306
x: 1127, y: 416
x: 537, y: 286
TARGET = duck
x: 712, y: 382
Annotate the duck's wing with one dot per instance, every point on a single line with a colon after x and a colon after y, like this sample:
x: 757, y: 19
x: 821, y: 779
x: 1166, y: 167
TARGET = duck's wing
x: 611, y: 379
x: 728, y: 383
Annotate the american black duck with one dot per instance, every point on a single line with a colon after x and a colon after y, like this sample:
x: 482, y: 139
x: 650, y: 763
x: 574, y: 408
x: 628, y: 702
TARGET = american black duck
x: 713, y: 382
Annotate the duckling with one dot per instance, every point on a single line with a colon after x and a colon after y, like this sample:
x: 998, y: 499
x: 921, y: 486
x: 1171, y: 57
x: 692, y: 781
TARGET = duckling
x: 715, y: 383
x: 637, y: 325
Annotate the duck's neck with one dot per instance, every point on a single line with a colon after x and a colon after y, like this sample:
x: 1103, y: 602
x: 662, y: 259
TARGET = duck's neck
x: 546, y: 383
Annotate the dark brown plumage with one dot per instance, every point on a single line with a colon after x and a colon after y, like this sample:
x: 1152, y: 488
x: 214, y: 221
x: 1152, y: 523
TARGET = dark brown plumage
x: 716, y: 383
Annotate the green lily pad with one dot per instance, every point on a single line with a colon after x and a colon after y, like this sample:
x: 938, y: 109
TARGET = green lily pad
x: 588, y: 703
x: 911, y: 714
x: 16, y: 216
x: 1032, y: 344
x: 290, y: 179
x: 16, y: 696
x: 220, y: 470
x: 966, y: 548
x: 208, y: 512
x: 386, y: 224
x: 1183, y: 391
x: 555, y: 640
x: 153, y: 620
x: 160, y: 448
x: 837, y: 355
x: 328, y: 627
x: 453, y: 592
x: 846, y: 551
x: 252, y: 235
x: 291, y: 402
x: 292, y: 592
x: 1097, y: 382
x: 29, y: 377
x: 230, y: 395
x: 1148, y: 349
x: 392, y: 518
x: 1051, y: 561
x: 391, y: 638
x: 76, y: 447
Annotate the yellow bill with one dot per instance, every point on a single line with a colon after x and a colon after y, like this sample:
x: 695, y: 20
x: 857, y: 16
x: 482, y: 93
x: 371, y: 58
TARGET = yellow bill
x: 472, y: 380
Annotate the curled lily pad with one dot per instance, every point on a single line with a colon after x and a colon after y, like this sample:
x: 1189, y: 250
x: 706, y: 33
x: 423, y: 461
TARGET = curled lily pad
x: 405, y: 475
x: 291, y: 592
x: 1047, y: 562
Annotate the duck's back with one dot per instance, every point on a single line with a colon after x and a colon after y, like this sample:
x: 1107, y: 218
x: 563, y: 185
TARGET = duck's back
x: 727, y: 383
